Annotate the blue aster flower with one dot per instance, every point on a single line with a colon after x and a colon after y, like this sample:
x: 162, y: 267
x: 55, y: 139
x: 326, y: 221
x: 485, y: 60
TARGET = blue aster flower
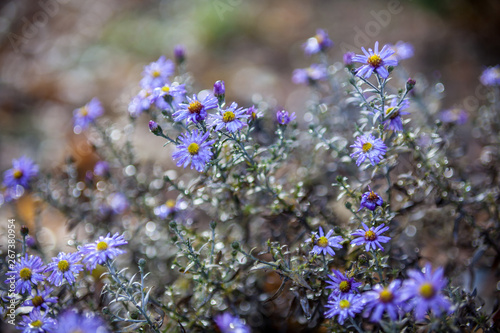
x: 195, y: 110
x: 41, y: 300
x: 384, y: 299
x: 118, y: 202
x: 370, y: 200
x: 156, y: 74
x: 195, y: 149
x: 454, y: 115
x: 85, y: 115
x: 170, y: 207
x: 72, y: 321
x: 393, y: 115
x: 402, y: 50
x: 35, y: 322
x: 316, y: 72
x: 228, y: 323
x: 344, y: 306
x: 371, y: 237
x: 64, y: 266
x: 367, y: 146
x: 324, y: 244
x: 424, y: 292
x: 284, y: 118
x: 319, y: 43
x: 101, y: 250
x: 375, y: 61
x: 230, y: 119
x: 22, y: 173
x: 140, y: 103
x: 341, y: 284
x: 491, y: 76
x: 27, y: 273
x: 253, y: 113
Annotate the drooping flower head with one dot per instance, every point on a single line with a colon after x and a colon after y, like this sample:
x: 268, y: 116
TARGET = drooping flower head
x: 383, y: 299
x: 85, y: 115
x: 319, y: 43
x: 424, y: 292
x: 370, y: 200
x: 341, y: 284
x: 367, y: 146
x: 195, y: 110
x: 64, y: 267
x: 195, y: 149
x: 344, y: 306
x: 371, y: 237
x: 228, y: 323
x: 491, y: 76
x: 231, y: 119
x: 35, y: 322
x: 393, y: 115
x: 284, y: 118
x: 310, y: 75
x: 156, y: 74
x: 41, y: 300
x: 27, y: 273
x: 22, y: 172
x: 170, y: 207
x: 373, y: 60
x: 72, y: 321
x: 402, y: 50
x: 324, y: 244
x: 102, y: 249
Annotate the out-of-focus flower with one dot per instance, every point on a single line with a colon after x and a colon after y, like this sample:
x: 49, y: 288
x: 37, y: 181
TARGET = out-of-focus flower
x: 319, y: 43
x: 101, y: 169
x: 491, y: 76
x: 85, y: 115
x: 383, y: 299
x: 101, y: 250
x: 324, y: 244
x: 140, y: 103
x: 232, y: 119
x: 195, y: 110
x: 348, y: 58
x: 118, y: 202
x: 316, y: 72
x: 22, y: 173
x: 194, y: 149
x: 402, y: 50
x: 41, y: 300
x: 170, y: 207
x: 72, y: 321
x: 173, y: 91
x: 179, y: 54
x: 371, y: 237
x: 253, y: 113
x: 393, y: 115
x: 156, y: 74
x: 341, y: 284
x: 367, y: 146
x: 35, y: 322
x: 424, y: 292
x: 64, y: 266
x: 344, y: 306
x: 375, y: 61
x: 284, y: 118
x: 370, y: 200
x: 228, y: 323
x: 27, y: 273
x: 455, y: 115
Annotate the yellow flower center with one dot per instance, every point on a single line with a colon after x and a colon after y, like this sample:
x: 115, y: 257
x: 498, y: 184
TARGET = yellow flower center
x: 427, y: 290
x: 375, y: 60
x: 171, y: 203
x: 156, y: 73
x: 394, y: 114
x: 165, y: 89
x: 370, y: 235
x: 367, y: 146
x: 344, y: 304
x: 63, y: 265
x: 386, y: 296
x: 193, y: 148
x: 37, y: 300
x: 254, y: 115
x: 195, y: 107
x: 84, y: 111
x: 25, y: 273
x: 36, y: 323
x: 322, y: 242
x: 319, y: 38
x: 228, y: 116
x: 101, y: 246
x: 17, y: 173
x: 372, y: 196
x: 344, y: 286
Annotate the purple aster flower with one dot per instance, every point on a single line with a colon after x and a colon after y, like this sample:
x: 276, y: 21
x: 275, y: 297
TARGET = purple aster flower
x: 175, y: 91
x: 370, y: 200
x: 219, y: 88
x: 393, y: 115
x: 168, y: 208
x: 341, y: 284
x: 156, y: 73
x: 324, y: 243
x: 27, y: 272
x: 344, y: 306
x: 140, y: 103
x: 72, y: 321
x: 371, y: 237
x: 402, y: 51
x: 491, y: 76
x: 101, y: 250
x: 22, y: 172
x: 85, y: 115
x: 41, y: 299
x: 375, y: 61
x: 316, y: 72
x: 284, y: 118
x: 101, y: 169
x: 230, y: 118
x: 194, y: 149
x: 253, y: 113
x: 455, y: 115
x: 383, y: 299
x: 228, y: 323
x: 195, y: 111
x: 37, y: 323
x: 368, y: 146
x: 118, y: 202
x: 424, y: 292
x: 319, y: 43
x: 179, y: 54
x: 64, y: 266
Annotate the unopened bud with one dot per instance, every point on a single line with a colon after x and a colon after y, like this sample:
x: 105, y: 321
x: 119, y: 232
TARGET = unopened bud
x: 179, y: 54
x: 25, y: 230
x: 410, y: 84
x: 155, y: 128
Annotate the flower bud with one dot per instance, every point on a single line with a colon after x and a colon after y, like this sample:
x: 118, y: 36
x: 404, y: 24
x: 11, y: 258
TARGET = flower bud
x: 235, y: 245
x: 179, y: 54
x: 220, y: 91
x: 155, y: 128
x: 25, y: 230
x: 410, y: 84
x: 173, y: 224
x: 142, y: 262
